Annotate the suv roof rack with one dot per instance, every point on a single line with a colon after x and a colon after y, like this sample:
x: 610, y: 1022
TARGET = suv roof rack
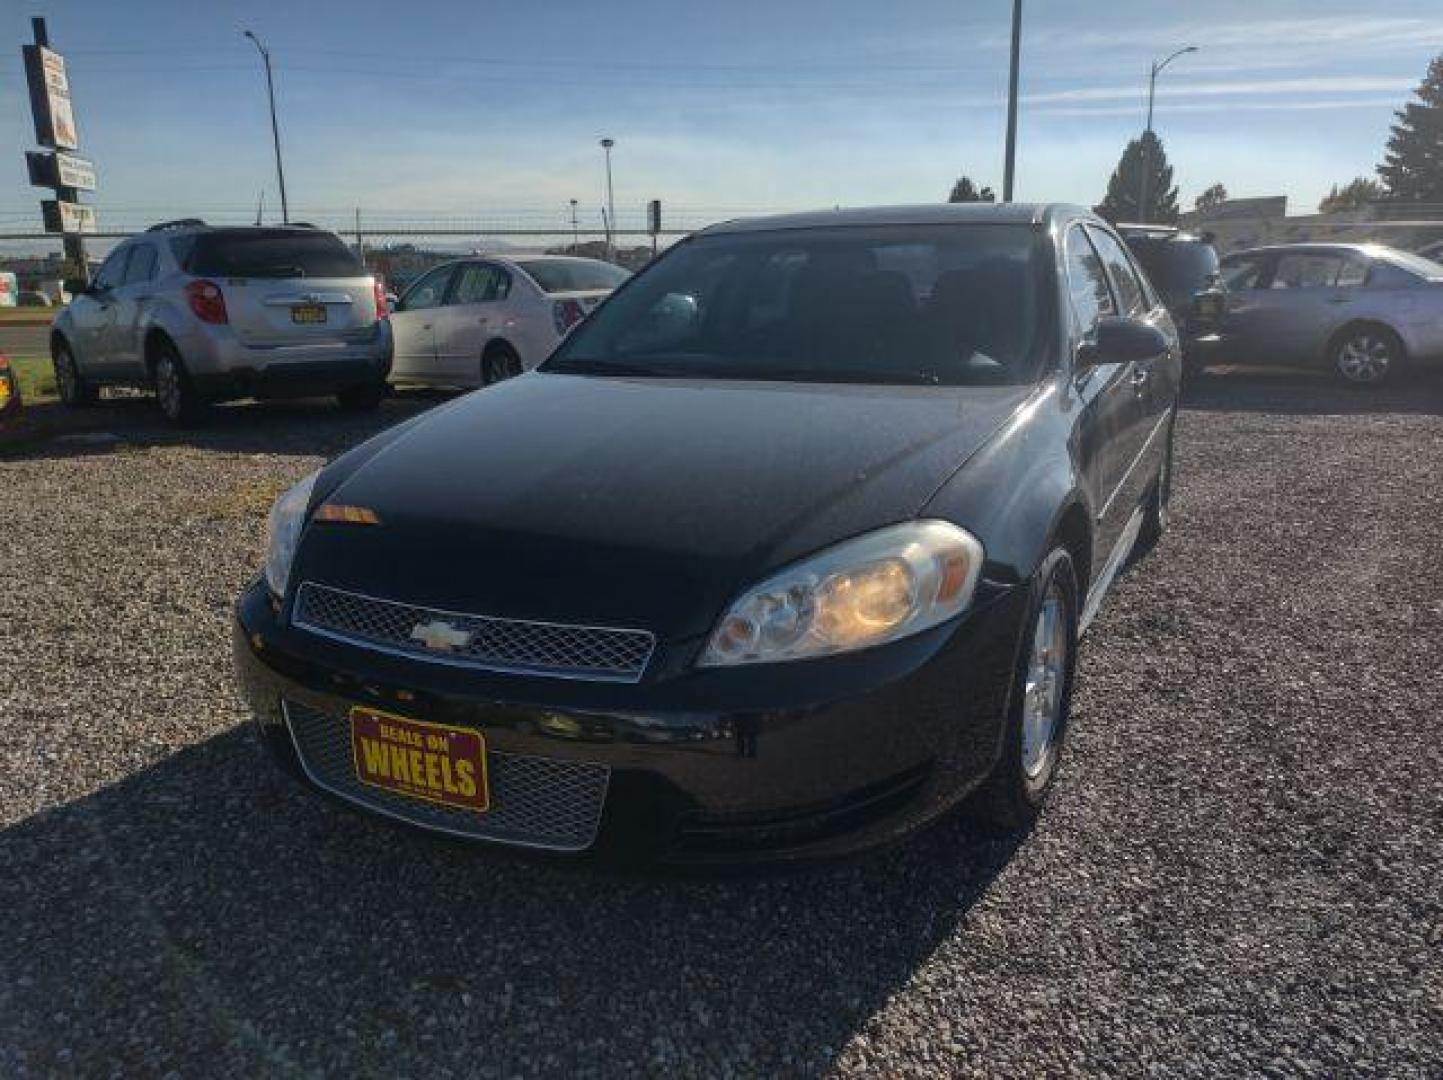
x: 178, y: 223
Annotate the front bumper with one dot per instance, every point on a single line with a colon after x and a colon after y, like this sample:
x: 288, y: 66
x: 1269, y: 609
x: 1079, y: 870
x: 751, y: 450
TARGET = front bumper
x: 767, y: 763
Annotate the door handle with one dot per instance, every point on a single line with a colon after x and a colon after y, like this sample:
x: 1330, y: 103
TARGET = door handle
x: 1339, y: 299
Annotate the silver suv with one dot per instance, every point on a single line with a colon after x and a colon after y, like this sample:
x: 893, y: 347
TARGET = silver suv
x: 205, y: 314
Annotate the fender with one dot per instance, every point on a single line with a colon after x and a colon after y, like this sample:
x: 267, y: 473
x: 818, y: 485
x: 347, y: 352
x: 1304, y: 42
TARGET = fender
x: 1017, y: 513
x: 164, y: 315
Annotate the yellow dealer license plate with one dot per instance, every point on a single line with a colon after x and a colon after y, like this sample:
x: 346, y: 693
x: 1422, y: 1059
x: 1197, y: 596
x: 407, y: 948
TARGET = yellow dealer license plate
x: 308, y: 313
x: 433, y: 762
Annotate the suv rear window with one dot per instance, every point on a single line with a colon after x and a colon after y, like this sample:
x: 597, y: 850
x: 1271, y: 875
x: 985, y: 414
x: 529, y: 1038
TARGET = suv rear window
x: 267, y: 253
x: 1178, y: 268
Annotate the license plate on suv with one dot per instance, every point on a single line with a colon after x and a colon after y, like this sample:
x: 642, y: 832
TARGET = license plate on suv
x: 436, y: 763
x: 308, y: 313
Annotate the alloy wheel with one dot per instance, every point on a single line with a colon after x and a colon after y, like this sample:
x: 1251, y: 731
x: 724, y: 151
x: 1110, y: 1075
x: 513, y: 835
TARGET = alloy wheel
x: 66, y: 380
x: 1046, y: 678
x: 167, y: 387
x: 1365, y: 358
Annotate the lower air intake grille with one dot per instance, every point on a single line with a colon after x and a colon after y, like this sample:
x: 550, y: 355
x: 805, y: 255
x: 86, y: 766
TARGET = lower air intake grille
x: 535, y: 802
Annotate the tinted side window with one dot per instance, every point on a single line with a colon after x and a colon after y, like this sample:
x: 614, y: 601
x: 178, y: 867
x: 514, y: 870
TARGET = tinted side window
x: 1307, y: 270
x: 1130, y: 293
x: 429, y: 291
x: 1387, y: 276
x: 1243, y: 271
x: 142, y: 265
x: 478, y: 283
x: 112, y: 270
x: 1354, y: 271
x: 1086, y: 281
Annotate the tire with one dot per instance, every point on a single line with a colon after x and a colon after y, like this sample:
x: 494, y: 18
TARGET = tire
x: 1155, y: 511
x: 174, y: 391
x: 499, y: 363
x: 75, y: 392
x: 1366, y: 355
x: 362, y: 398
x: 1012, y: 796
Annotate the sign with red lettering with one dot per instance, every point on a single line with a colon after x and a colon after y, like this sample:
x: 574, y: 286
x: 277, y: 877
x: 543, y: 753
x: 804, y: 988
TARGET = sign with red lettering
x: 434, y: 762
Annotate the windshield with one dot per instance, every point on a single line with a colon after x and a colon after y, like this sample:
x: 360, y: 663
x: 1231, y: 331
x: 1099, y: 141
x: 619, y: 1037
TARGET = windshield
x: 951, y: 305
x: 265, y: 253
x: 563, y: 275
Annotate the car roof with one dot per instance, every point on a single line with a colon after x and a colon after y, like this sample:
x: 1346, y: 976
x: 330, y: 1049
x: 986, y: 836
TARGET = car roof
x: 923, y: 214
x: 1315, y: 245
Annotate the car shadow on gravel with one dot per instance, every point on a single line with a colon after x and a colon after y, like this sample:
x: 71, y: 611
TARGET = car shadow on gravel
x: 1299, y: 391
x: 207, y: 909
x: 308, y: 426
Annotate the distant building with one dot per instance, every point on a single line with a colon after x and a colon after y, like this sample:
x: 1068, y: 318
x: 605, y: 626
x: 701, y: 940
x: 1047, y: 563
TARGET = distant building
x: 1245, y: 223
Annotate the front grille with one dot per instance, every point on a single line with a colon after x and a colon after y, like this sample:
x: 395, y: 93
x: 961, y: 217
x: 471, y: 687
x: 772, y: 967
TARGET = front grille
x: 535, y: 802
x: 508, y: 645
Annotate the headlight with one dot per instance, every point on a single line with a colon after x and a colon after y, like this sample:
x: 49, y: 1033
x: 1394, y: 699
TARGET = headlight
x: 877, y: 588
x: 288, y: 518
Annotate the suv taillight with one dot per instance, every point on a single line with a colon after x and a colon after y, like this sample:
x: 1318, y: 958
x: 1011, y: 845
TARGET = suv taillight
x: 207, y: 301
x: 383, y: 309
x: 567, y: 313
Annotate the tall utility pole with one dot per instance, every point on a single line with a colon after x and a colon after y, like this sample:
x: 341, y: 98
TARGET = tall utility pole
x: 575, y: 230
x: 1142, y: 214
x: 1010, y: 167
x: 606, y: 145
x: 275, y: 128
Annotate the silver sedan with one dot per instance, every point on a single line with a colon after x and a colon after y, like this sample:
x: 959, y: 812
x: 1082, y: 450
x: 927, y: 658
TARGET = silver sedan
x: 1362, y: 309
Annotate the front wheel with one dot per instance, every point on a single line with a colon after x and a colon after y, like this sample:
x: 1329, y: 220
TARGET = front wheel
x: 1366, y: 355
x: 74, y: 391
x: 1041, y: 699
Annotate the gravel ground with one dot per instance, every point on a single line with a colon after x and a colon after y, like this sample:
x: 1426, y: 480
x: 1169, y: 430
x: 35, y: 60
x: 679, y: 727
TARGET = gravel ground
x: 1242, y: 870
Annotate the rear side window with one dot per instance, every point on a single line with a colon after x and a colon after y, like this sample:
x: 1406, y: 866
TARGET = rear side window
x: 559, y: 275
x: 142, y: 265
x: 272, y: 253
x: 1130, y: 294
x: 479, y: 283
x: 112, y: 271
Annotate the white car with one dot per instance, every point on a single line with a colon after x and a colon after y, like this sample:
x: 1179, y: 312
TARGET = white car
x: 476, y: 321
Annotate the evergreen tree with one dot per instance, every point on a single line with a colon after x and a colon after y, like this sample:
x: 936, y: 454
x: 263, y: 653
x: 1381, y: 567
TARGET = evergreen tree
x: 1124, y: 188
x: 1412, y: 168
x: 1350, y: 196
x: 966, y: 191
x: 1213, y: 196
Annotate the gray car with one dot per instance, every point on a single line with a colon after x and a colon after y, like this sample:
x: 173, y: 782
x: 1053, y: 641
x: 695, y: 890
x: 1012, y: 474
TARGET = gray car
x: 1362, y: 309
x: 206, y: 314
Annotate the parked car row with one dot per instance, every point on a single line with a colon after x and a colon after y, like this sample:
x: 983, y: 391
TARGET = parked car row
x: 203, y: 314
x: 1361, y: 310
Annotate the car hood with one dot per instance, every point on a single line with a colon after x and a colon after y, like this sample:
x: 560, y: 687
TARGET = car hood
x: 638, y: 502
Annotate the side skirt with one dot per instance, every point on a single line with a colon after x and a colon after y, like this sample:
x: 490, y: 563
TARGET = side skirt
x: 1120, y: 551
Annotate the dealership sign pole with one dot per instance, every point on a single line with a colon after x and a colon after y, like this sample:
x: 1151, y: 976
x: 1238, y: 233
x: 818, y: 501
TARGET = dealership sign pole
x: 57, y: 167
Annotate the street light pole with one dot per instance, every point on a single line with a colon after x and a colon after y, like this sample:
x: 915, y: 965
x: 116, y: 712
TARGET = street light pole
x: 275, y: 128
x: 1010, y: 164
x: 607, y: 144
x: 575, y: 231
x: 1147, y: 135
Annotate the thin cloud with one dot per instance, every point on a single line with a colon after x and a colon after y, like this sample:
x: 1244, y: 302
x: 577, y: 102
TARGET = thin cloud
x: 1312, y: 84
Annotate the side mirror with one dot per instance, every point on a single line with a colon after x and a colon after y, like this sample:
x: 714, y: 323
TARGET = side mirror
x: 76, y: 286
x: 1120, y: 339
x: 393, y: 301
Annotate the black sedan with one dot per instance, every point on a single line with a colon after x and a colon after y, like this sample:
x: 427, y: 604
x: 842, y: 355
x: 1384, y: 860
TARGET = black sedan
x: 785, y: 551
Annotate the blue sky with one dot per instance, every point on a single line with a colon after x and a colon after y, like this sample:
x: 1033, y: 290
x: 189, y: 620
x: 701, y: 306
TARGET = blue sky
x: 489, y: 107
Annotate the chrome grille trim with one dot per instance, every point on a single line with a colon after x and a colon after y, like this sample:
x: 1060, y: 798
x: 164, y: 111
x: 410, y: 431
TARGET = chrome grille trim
x: 536, y: 802
x: 508, y: 646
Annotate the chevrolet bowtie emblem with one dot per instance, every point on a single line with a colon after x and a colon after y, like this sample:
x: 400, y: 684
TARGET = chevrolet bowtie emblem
x: 440, y: 636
